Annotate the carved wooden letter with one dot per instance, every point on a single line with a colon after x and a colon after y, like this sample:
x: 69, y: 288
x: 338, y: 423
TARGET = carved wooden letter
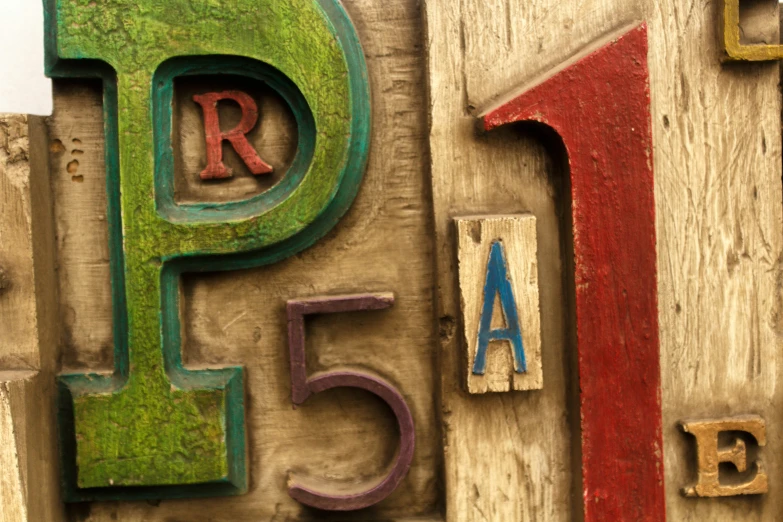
x: 733, y: 47
x: 709, y: 456
x: 215, y: 168
x: 498, y: 272
x: 303, y: 387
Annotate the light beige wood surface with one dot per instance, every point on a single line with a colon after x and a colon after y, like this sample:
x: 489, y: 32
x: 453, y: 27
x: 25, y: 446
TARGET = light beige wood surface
x: 476, y: 236
x: 13, y: 495
x: 718, y: 196
x: 717, y: 159
x: 78, y: 178
x: 29, y: 481
x: 343, y: 437
x: 508, y: 456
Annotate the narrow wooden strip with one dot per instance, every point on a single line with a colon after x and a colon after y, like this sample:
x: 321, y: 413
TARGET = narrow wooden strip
x: 13, y: 505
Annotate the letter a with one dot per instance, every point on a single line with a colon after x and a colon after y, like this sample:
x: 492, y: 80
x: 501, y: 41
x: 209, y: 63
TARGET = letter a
x: 498, y: 283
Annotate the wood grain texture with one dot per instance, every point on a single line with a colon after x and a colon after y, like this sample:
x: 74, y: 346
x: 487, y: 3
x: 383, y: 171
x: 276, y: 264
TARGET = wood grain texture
x: 18, y: 343
x: 29, y: 487
x: 718, y: 194
x: 303, y: 386
x: 13, y: 494
x: 383, y: 243
x: 78, y: 180
x: 516, y: 456
x: 476, y: 237
x: 26, y: 251
x: 717, y: 152
x: 711, y: 452
x: 716, y: 137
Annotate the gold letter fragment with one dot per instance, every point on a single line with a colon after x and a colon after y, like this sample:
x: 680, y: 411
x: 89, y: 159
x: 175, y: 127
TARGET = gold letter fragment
x: 710, y: 456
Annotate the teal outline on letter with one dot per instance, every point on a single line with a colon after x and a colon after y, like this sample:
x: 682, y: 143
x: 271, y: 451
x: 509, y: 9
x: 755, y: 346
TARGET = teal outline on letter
x: 136, y: 48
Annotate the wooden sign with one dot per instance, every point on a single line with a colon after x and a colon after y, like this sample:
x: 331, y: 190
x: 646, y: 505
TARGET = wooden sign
x: 498, y: 271
x: 234, y: 286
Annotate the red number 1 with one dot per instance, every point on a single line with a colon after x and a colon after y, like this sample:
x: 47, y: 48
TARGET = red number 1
x: 600, y: 107
x: 302, y: 387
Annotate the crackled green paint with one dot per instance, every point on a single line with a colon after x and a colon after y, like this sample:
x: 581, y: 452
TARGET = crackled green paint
x: 155, y: 429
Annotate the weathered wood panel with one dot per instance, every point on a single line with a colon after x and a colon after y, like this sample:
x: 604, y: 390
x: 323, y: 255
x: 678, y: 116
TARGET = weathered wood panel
x: 13, y: 501
x: 29, y: 488
x: 718, y: 193
x: 342, y: 437
x: 716, y: 136
x: 717, y: 156
x: 606, y: 137
x: 78, y: 167
x: 494, y: 251
x: 478, y: 51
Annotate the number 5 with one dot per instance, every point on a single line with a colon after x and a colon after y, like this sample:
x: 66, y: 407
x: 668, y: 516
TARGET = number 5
x: 302, y: 388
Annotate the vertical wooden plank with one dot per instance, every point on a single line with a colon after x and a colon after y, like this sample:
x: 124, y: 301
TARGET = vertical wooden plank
x: 18, y: 343
x: 510, y: 457
x: 29, y: 342
x: 13, y: 502
x: 384, y: 242
x: 717, y: 153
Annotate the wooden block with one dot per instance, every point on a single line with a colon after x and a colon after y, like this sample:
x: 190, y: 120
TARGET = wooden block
x: 29, y: 491
x: 498, y: 279
x: 114, y: 445
x: 13, y: 507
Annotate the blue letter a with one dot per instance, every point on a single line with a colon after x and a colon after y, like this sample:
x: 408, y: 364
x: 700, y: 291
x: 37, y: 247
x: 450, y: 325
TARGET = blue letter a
x: 498, y: 283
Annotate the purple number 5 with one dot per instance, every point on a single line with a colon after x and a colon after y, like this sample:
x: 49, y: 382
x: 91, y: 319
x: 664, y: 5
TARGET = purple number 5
x: 302, y: 388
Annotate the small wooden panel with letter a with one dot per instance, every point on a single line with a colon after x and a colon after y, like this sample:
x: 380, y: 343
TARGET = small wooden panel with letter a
x: 498, y: 279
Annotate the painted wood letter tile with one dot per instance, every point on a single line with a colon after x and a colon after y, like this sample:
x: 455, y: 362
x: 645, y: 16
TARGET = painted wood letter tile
x: 711, y: 453
x: 498, y: 279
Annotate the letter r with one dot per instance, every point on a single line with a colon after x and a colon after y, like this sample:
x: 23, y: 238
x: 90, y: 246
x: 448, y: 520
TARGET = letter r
x: 237, y: 136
